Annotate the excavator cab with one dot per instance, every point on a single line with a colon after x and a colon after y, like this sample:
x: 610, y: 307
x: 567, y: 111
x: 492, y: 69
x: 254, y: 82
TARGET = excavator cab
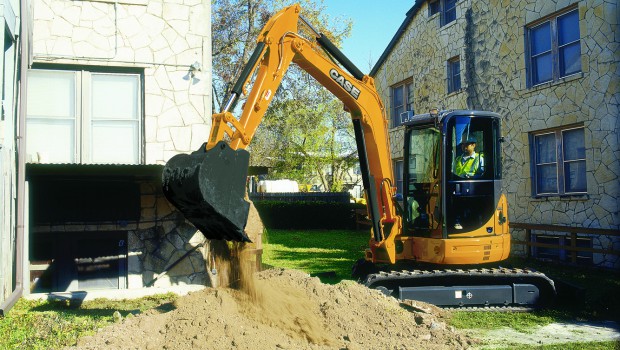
x: 452, y: 172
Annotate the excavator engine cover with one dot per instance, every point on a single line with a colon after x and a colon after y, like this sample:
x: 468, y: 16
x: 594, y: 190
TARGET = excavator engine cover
x: 208, y: 187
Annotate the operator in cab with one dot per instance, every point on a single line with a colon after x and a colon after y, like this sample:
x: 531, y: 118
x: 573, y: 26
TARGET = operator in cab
x: 469, y: 164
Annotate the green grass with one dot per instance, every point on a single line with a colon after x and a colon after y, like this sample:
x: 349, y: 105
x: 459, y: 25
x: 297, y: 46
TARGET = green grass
x: 330, y: 254
x: 605, y: 345
x: 519, y: 321
x: 36, y: 324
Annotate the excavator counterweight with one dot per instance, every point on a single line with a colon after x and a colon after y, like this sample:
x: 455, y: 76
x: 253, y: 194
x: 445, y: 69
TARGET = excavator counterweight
x: 208, y: 187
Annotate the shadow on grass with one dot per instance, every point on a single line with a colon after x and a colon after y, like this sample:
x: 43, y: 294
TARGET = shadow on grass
x: 73, y: 304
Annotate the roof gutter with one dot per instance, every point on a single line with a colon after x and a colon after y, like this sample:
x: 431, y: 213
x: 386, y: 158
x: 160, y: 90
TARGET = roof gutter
x: 24, y: 62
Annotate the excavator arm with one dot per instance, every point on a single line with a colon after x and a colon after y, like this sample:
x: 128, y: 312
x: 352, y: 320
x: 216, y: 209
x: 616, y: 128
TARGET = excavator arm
x: 280, y: 44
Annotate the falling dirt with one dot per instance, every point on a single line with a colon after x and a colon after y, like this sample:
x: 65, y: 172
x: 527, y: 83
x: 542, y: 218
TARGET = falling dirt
x: 281, y: 309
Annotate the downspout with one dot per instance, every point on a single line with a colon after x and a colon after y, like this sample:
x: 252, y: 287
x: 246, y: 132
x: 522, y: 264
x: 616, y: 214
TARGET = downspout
x: 24, y: 60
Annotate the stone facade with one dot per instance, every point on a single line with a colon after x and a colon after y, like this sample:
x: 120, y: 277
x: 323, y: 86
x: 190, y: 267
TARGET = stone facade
x: 163, y: 39
x: 489, y: 37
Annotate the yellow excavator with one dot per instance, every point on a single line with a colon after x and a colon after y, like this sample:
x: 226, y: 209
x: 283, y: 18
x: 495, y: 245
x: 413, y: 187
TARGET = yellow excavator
x: 451, y: 211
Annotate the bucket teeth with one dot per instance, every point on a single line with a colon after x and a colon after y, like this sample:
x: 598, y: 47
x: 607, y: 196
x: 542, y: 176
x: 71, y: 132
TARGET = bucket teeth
x: 208, y: 188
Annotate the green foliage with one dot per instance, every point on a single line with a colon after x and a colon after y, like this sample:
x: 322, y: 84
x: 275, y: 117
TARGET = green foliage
x: 305, y: 135
x: 316, y: 252
x: 306, y: 215
x: 37, y: 324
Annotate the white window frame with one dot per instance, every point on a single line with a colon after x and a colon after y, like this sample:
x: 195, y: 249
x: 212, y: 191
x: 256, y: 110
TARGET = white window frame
x: 554, y: 50
x: 560, y: 163
x: 439, y: 6
x: 83, y: 119
x: 407, y: 105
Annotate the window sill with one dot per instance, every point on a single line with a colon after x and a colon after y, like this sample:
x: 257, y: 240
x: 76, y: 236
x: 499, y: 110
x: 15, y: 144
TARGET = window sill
x: 447, y: 25
x: 563, y: 80
x: 565, y: 197
x: 433, y: 16
x: 456, y: 92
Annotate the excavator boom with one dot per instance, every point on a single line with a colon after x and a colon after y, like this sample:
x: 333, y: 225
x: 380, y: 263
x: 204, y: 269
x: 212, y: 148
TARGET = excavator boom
x: 207, y: 186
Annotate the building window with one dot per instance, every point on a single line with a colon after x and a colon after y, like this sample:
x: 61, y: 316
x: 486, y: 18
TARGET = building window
x: 448, y: 12
x: 559, y: 162
x: 454, y: 74
x: 402, y: 102
x: 554, y: 48
x: 95, y: 117
x: 398, y: 175
x: 447, y: 8
x: 433, y: 7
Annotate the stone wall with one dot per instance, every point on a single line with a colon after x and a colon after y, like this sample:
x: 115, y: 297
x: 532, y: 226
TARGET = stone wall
x: 163, y: 39
x: 489, y: 38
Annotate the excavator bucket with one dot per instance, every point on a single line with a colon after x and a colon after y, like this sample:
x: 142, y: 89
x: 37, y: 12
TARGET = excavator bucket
x: 208, y: 187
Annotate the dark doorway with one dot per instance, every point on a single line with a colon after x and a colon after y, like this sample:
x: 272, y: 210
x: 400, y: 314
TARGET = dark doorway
x: 72, y: 261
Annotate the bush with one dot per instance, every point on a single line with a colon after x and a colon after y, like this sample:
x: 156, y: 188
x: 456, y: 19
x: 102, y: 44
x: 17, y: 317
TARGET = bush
x: 307, y: 215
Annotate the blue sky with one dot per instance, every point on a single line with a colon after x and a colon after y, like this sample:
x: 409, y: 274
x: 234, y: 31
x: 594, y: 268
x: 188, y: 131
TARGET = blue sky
x: 374, y: 24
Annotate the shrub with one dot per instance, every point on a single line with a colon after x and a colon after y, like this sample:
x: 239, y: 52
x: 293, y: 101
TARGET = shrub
x: 307, y: 215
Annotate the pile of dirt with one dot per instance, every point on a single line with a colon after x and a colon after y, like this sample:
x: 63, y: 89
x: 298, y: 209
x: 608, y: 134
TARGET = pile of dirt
x: 283, y: 309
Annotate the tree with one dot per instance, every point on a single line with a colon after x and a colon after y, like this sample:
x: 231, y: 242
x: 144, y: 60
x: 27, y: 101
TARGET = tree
x: 305, y: 134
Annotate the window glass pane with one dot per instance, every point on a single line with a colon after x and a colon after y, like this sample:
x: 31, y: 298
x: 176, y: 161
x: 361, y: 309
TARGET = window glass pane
x: 51, y: 93
x: 115, y: 142
x: 115, y: 96
x: 449, y: 11
x: 574, y: 144
x: 398, y: 105
x: 398, y: 174
x: 51, y: 140
x: 570, y: 59
x: 568, y: 28
x: 398, y: 96
x: 546, y: 179
x: 540, y: 39
x: 575, y: 176
x: 545, y: 149
x: 456, y: 75
x: 433, y: 7
x: 542, y: 69
x: 410, y: 97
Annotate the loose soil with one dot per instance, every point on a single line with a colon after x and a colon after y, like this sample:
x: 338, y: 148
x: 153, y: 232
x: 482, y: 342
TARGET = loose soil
x: 283, y: 309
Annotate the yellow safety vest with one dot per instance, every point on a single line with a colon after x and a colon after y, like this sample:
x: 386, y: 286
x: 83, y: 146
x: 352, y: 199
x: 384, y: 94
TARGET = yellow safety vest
x: 469, y: 167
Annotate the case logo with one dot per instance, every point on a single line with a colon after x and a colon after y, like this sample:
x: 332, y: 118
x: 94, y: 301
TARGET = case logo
x: 350, y: 88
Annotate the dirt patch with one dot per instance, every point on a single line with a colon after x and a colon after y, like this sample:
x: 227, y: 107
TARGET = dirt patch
x: 284, y: 309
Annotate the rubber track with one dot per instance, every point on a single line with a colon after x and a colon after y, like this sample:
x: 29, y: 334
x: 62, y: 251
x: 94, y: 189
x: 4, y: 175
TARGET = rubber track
x: 393, y: 279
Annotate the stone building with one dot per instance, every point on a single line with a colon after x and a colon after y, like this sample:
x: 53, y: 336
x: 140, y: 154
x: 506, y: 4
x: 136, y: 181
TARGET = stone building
x: 115, y: 89
x: 550, y: 68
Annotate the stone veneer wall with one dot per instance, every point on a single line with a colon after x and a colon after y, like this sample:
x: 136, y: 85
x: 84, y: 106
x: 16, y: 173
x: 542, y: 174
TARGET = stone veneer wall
x: 160, y: 239
x: 163, y: 38
x: 489, y: 38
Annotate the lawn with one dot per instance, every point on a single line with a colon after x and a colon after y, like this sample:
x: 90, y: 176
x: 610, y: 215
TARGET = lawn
x: 42, y: 324
x: 328, y: 254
